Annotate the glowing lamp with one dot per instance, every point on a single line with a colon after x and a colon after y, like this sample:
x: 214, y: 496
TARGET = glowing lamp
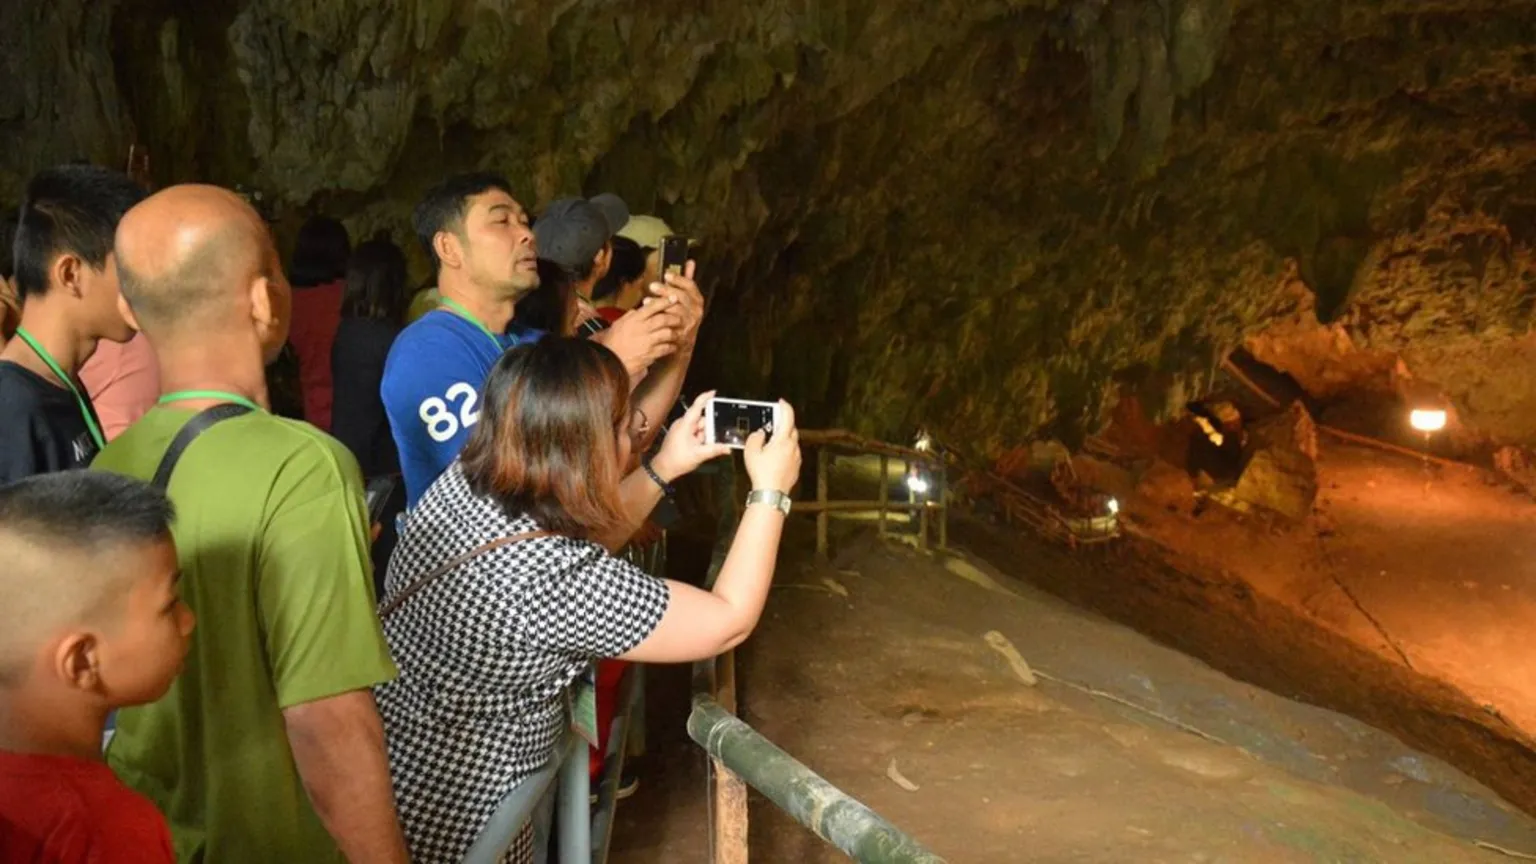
x: 918, y: 484
x: 1114, y: 506
x: 1427, y: 420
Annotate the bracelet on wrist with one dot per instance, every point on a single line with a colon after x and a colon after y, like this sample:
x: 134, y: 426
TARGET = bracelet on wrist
x: 667, y: 489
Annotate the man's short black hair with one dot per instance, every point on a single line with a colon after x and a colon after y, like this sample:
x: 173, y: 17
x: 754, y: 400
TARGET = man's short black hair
x: 88, y: 510
x: 69, y: 210
x: 320, y: 253
x: 625, y: 265
x: 444, y: 206
x: 7, y: 240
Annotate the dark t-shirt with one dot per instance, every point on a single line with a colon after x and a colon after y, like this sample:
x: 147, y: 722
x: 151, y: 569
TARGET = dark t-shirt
x: 357, y: 411
x: 41, y: 429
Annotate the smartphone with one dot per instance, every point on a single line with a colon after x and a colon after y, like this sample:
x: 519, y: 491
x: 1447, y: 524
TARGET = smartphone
x: 732, y: 421
x: 674, y: 254
x: 376, y: 495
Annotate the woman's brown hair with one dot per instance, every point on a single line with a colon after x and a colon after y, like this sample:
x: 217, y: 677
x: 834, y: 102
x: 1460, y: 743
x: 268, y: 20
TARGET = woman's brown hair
x: 546, y: 444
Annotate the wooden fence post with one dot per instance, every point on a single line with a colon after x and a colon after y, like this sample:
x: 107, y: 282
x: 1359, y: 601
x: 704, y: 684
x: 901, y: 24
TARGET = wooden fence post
x: 885, y: 489
x: 729, y: 843
x: 943, y: 509
x: 823, y: 464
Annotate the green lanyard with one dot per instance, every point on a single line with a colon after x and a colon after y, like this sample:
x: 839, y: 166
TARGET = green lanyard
x: 184, y: 395
x: 69, y: 381
x: 465, y: 313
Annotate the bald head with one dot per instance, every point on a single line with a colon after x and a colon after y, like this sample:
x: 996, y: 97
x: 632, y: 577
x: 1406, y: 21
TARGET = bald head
x: 190, y: 258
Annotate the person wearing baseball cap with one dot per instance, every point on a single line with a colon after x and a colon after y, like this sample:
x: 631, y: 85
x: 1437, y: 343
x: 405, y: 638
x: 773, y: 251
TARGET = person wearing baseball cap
x: 577, y: 235
x: 647, y: 232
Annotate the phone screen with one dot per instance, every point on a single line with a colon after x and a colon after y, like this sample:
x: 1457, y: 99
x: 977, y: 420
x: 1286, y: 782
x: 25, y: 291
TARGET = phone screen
x: 736, y: 420
x: 674, y: 254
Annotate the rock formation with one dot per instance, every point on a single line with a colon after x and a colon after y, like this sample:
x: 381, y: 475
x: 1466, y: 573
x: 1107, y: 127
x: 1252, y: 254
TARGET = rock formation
x: 976, y: 216
x: 1280, y: 474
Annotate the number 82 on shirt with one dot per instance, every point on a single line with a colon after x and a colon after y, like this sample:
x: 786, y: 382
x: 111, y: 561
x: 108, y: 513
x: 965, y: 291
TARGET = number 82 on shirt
x: 445, y: 415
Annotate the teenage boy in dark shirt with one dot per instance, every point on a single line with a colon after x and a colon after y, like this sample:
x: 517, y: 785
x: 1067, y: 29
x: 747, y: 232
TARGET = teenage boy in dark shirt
x: 92, y: 622
x: 67, y: 284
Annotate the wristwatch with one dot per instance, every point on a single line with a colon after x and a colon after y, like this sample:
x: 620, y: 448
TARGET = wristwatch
x: 772, y: 497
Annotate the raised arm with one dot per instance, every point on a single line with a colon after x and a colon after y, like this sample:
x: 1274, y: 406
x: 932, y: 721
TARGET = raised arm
x: 658, y: 391
x: 682, y: 452
x: 699, y: 624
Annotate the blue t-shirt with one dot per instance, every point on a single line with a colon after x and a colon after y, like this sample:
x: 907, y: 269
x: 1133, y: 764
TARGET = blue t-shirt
x: 431, y: 390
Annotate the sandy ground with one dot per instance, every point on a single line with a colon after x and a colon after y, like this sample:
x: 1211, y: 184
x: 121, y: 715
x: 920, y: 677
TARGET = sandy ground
x: 898, y: 672
x: 1446, y: 564
x: 1431, y: 572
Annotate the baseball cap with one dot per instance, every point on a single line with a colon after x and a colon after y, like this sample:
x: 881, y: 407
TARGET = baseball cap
x: 646, y: 231
x: 571, y: 231
x: 649, y: 231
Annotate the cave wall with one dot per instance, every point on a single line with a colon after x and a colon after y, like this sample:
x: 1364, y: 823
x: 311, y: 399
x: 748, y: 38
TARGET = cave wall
x: 976, y: 216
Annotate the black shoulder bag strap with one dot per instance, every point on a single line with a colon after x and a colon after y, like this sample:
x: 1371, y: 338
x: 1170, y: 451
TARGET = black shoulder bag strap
x: 195, y: 427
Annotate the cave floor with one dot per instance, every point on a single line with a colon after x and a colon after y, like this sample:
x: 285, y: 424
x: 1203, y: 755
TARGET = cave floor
x: 1432, y: 568
x: 1432, y: 571
x: 897, y: 673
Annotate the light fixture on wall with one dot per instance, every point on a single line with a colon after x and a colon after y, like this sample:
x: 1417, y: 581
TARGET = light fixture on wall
x: 1428, y: 421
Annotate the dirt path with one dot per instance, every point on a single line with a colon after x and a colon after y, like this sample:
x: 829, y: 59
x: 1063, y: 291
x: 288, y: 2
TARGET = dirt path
x: 1410, y: 609
x: 898, y: 672
x: 1446, y: 564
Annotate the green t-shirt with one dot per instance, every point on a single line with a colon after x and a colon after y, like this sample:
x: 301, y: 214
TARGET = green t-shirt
x: 271, y: 533
x: 425, y: 301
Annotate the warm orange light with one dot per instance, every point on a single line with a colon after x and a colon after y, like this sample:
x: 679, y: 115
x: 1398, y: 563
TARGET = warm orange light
x: 1427, y: 420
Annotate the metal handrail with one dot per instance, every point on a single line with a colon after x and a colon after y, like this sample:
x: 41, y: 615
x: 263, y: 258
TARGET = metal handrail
x: 829, y: 812
x: 740, y: 756
x: 517, y: 808
x: 567, y: 773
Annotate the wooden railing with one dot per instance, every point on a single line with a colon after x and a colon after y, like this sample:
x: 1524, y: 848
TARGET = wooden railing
x: 741, y: 758
x: 932, y: 504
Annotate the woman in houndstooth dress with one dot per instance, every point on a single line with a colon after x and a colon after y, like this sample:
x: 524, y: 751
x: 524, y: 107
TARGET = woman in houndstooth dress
x: 487, y: 650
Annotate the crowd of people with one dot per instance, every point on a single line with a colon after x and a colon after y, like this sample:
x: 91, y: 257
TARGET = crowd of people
x: 197, y: 570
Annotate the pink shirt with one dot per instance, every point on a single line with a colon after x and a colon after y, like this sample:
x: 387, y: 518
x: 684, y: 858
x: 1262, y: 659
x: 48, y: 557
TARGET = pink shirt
x: 123, y: 382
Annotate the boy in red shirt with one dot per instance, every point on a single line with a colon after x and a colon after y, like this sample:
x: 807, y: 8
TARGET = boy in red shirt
x: 91, y: 622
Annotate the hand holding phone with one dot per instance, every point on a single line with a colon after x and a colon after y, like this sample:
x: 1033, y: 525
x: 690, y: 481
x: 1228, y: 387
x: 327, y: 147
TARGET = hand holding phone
x: 732, y: 421
x: 674, y: 254
x: 686, y: 446
x: 773, y: 461
x: 643, y: 336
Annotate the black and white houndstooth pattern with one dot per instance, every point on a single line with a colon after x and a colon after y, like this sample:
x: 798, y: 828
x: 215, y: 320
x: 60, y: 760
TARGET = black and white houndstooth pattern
x: 486, y: 653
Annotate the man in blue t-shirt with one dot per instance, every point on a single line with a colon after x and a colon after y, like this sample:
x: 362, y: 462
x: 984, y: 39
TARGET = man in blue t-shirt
x: 478, y: 239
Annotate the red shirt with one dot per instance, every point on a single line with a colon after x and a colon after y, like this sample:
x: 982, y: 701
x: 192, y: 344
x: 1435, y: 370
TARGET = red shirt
x: 316, y: 315
x: 63, y: 810
x: 610, y: 313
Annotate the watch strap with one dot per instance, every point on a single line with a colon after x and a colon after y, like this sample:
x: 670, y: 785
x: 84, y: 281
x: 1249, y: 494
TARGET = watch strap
x: 771, y: 497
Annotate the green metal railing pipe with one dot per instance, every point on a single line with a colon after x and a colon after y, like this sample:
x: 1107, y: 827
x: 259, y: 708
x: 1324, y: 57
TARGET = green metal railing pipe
x: 826, y: 810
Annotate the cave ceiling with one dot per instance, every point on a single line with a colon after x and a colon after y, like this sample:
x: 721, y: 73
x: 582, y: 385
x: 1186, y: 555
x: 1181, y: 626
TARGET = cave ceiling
x: 979, y: 216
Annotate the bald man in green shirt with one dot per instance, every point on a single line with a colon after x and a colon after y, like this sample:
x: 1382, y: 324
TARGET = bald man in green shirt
x: 268, y: 747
